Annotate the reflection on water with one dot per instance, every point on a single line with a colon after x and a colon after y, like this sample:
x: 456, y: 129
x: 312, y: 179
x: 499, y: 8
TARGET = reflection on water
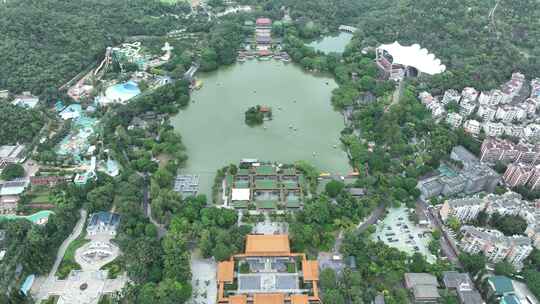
x: 332, y: 44
x: 304, y: 125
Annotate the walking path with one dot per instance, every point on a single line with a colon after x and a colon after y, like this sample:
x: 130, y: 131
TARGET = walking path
x: 42, y: 292
x: 73, y: 236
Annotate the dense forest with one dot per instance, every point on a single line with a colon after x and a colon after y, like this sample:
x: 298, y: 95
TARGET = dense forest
x: 45, y: 43
x: 18, y: 125
x: 479, y: 47
x: 48, y: 42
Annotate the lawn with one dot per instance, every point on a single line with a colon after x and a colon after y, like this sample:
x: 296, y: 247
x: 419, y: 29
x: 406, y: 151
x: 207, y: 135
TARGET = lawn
x: 68, y: 263
x: 115, y: 268
x: 41, y: 198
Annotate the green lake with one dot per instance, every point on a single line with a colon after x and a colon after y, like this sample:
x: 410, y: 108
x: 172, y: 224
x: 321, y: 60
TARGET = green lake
x: 215, y: 134
x: 332, y: 44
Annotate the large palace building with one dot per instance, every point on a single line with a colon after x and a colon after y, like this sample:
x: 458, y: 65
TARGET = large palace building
x: 268, y: 273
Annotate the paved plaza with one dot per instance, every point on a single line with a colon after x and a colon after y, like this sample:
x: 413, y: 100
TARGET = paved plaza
x: 87, y: 285
x: 203, y: 280
x: 396, y: 230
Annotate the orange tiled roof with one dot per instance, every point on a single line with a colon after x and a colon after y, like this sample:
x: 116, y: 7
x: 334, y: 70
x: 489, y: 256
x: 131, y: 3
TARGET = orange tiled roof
x: 310, y: 270
x: 267, y: 245
x: 299, y: 299
x: 225, y: 271
x: 269, y: 298
x: 238, y: 299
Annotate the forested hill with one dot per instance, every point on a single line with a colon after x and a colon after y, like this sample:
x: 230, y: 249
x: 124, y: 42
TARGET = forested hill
x: 479, y: 48
x: 46, y: 42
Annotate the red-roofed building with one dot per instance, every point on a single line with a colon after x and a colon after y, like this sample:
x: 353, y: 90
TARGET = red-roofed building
x: 49, y: 180
x: 263, y: 22
x: 265, y: 53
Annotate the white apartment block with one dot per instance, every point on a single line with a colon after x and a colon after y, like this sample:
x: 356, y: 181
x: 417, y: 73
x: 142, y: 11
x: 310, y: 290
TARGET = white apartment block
x: 472, y: 126
x: 493, y: 97
x: 487, y: 112
x: 531, y: 105
x: 469, y: 94
x: 426, y: 98
x: 513, y: 130
x: 496, y: 246
x: 432, y: 103
x: 450, y: 95
x: 535, y: 88
x: 454, y: 120
x: 438, y: 110
x: 514, y: 85
x: 493, y: 129
x: 531, y: 132
x: 510, y: 113
x: 464, y: 209
x: 466, y: 108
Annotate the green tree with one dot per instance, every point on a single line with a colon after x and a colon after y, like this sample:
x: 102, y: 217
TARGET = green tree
x: 328, y: 279
x: 453, y: 223
x: 472, y: 263
x: 334, y: 187
x: 504, y: 268
x: 508, y: 224
x: 12, y: 171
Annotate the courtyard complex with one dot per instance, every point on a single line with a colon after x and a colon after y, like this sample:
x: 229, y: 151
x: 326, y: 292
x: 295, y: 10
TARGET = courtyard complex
x: 264, y: 186
x: 268, y: 273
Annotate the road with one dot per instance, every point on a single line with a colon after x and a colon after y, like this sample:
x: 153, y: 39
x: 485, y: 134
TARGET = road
x: 446, y: 246
x: 73, y: 236
x: 49, y: 281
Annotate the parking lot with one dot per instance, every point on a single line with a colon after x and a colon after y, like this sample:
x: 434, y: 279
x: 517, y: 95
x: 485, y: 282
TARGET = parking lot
x: 396, y: 230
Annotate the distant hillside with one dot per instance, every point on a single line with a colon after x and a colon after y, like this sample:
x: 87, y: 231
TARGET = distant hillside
x: 46, y: 42
x: 480, y: 46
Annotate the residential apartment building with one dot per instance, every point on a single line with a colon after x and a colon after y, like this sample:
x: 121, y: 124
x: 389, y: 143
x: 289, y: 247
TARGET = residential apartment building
x: 487, y: 112
x: 451, y: 95
x: 518, y: 174
x: 514, y: 85
x: 493, y: 97
x: 472, y: 126
x: 493, y: 129
x: 495, y: 245
x: 432, y: 103
x: 511, y: 113
x: 513, y: 130
x: 531, y: 132
x: 509, y: 203
x: 467, y: 108
x: 464, y: 209
x: 469, y: 94
x: 494, y: 149
x: 454, y: 120
x: 535, y: 88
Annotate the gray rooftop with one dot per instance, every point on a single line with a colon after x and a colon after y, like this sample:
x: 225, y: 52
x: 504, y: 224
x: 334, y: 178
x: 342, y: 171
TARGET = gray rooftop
x: 425, y: 292
x: 470, y: 297
x: 454, y: 279
x: 414, y: 279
